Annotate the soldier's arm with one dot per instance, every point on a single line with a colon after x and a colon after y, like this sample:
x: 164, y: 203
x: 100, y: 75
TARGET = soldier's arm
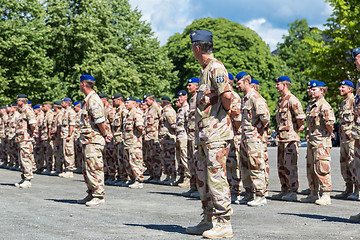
x: 32, y: 127
x: 101, y: 127
x: 226, y: 100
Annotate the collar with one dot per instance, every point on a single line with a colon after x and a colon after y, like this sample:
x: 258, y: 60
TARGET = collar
x: 89, y: 95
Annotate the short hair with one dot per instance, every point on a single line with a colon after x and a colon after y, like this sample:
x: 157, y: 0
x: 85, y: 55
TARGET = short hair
x: 325, y: 88
x: 89, y: 83
x: 206, y: 47
x: 166, y: 102
x: 246, y: 77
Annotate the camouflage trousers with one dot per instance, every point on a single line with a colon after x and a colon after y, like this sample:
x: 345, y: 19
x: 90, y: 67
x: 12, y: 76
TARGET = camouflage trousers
x: 168, y: 146
x: 356, y: 163
x: 318, y: 168
x: 181, y: 157
x: 26, y: 154
x: 211, y: 178
x: 192, y: 162
x: 12, y: 150
x: 267, y: 166
x: 347, y: 161
x: 120, y: 165
x: 78, y: 154
x: 153, y: 155
x: 93, y: 169
x: 69, y: 154
x: 3, y: 154
x: 58, y: 155
x: 133, y: 163
x: 44, y: 155
x: 288, y: 155
x: 253, y: 167
x: 233, y: 168
x: 109, y: 160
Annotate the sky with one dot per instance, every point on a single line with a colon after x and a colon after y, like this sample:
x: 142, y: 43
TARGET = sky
x: 269, y: 18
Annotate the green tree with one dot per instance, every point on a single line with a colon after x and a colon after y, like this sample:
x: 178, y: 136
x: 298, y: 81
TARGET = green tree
x: 24, y: 66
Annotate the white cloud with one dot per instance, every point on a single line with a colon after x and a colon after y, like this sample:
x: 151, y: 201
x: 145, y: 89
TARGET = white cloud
x: 267, y: 32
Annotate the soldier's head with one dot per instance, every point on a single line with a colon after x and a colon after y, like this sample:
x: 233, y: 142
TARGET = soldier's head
x: 201, y: 43
x: 255, y: 84
x: 283, y: 84
x: 356, y: 55
x: 36, y: 109
x: 192, y: 86
x: 346, y: 87
x: 138, y: 103
x: 149, y: 99
x: 87, y: 83
x: 318, y: 89
x: 77, y: 106
x: 130, y: 103
x: 182, y: 97
x: 46, y: 106
x: 22, y: 100
x: 66, y: 102
x: 3, y: 111
x: 165, y: 100
x: 104, y: 98
x: 243, y: 81
x: 117, y: 99
x: 57, y: 106
x: 144, y: 106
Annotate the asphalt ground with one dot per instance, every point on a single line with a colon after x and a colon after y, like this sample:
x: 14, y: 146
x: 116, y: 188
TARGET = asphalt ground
x: 49, y: 210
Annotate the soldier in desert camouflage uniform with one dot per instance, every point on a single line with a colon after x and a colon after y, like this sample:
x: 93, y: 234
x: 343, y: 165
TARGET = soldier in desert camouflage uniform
x: 181, y: 141
x: 55, y: 129
x: 290, y: 118
x: 212, y: 136
x: 167, y: 137
x: 133, y: 127
x: 356, y: 132
x: 67, y: 136
x: 255, y: 122
x: 78, y: 147
x: 151, y: 139
x: 319, y: 120
x: 12, y: 147
x: 25, y: 126
x: 93, y: 137
x: 46, y: 144
x: 3, y: 123
x: 346, y: 137
x: 38, y: 146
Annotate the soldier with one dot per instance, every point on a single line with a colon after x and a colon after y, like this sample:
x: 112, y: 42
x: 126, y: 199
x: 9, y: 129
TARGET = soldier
x: 167, y: 137
x: 151, y: 139
x: 93, y: 137
x: 38, y: 146
x: 67, y: 136
x: 55, y: 129
x: 255, y: 84
x: 25, y: 126
x: 47, y: 145
x: 181, y: 141
x: 192, y: 87
x: 346, y: 139
x: 319, y: 119
x: 78, y: 147
x: 3, y: 123
x: 133, y: 127
x: 356, y: 132
x: 212, y: 136
x: 109, y: 158
x: 255, y: 123
x: 290, y: 119
x: 117, y: 128
x: 12, y: 145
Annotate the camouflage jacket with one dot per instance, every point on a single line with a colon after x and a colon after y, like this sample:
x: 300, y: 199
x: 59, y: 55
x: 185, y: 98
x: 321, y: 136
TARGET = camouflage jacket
x: 67, y: 121
x: 190, y: 119
x: 289, y: 110
x: 109, y: 116
x: 319, y: 114
x: 167, y: 126
x: 2, y: 127
x: 26, y: 118
x: 180, y: 122
x: 356, y: 127
x: 212, y: 122
x: 117, y: 125
x: 152, y: 122
x: 346, y: 113
x: 4, y: 122
x: 235, y: 113
x: 93, y: 112
x: 39, y: 119
x: 45, y: 126
x: 56, y: 122
x: 255, y: 117
x: 11, y: 125
x: 77, y: 125
x: 132, y: 136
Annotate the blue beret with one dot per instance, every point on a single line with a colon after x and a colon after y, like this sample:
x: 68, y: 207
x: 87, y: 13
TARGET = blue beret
x: 283, y: 79
x: 66, y: 99
x: 86, y: 77
x: 201, y: 35
x: 240, y: 75
x: 347, y: 83
x: 36, y: 107
x: 76, y: 103
x: 138, y: 100
x: 181, y: 93
x: 14, y: 105
x: 356, y: 51
x: 231, y: 77
x: 143, y: 101
x: 193, y: 80
x: 254, y: 81
x: 130, y: 99
x: 28, y: 100
x: 309, y: 83
x: 318, y: 84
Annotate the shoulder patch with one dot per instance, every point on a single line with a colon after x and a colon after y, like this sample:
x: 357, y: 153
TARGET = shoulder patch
x: 220, y: 79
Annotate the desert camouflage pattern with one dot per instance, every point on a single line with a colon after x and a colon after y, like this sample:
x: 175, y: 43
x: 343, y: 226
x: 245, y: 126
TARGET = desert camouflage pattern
x: 26, y: 159
x: 56, y: 139
x: 167, y: 134
x: 289, y: 110
x: 288, y: 155
x: 109, y: 154
x: 181, y: 141
x: 356, y: 136
x: 192, y: 151
x: 12, y: 147
x: 68, y: 146
x: 152, y: 122
x: 3, y: 154
x: 77, y: 143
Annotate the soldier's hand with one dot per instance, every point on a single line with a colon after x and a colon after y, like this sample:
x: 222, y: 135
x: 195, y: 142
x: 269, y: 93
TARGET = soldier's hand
x: 108, y: 139
x: 67, y: 139
x: 332, y: 135
x: 301, y: 128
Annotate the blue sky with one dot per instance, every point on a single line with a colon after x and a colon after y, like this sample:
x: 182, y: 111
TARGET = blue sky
x: 269, y: 18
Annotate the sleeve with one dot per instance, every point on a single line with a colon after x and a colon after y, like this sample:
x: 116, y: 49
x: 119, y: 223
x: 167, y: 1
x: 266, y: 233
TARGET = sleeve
x: 72, y: 118
x: 296, y: 106
x: 30, y: 115
x: 139, y: 120
x: 220, y: 78
x: 328, y: 114
x: 262, y: 110
x: 96, y: 110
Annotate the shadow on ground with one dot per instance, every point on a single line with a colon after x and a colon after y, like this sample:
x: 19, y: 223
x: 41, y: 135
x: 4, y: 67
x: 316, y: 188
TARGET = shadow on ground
x: 70, y: 201
x: 7, y: 184
x: 319, y: 217
x: 165, y: 228
x: 168, y: 193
